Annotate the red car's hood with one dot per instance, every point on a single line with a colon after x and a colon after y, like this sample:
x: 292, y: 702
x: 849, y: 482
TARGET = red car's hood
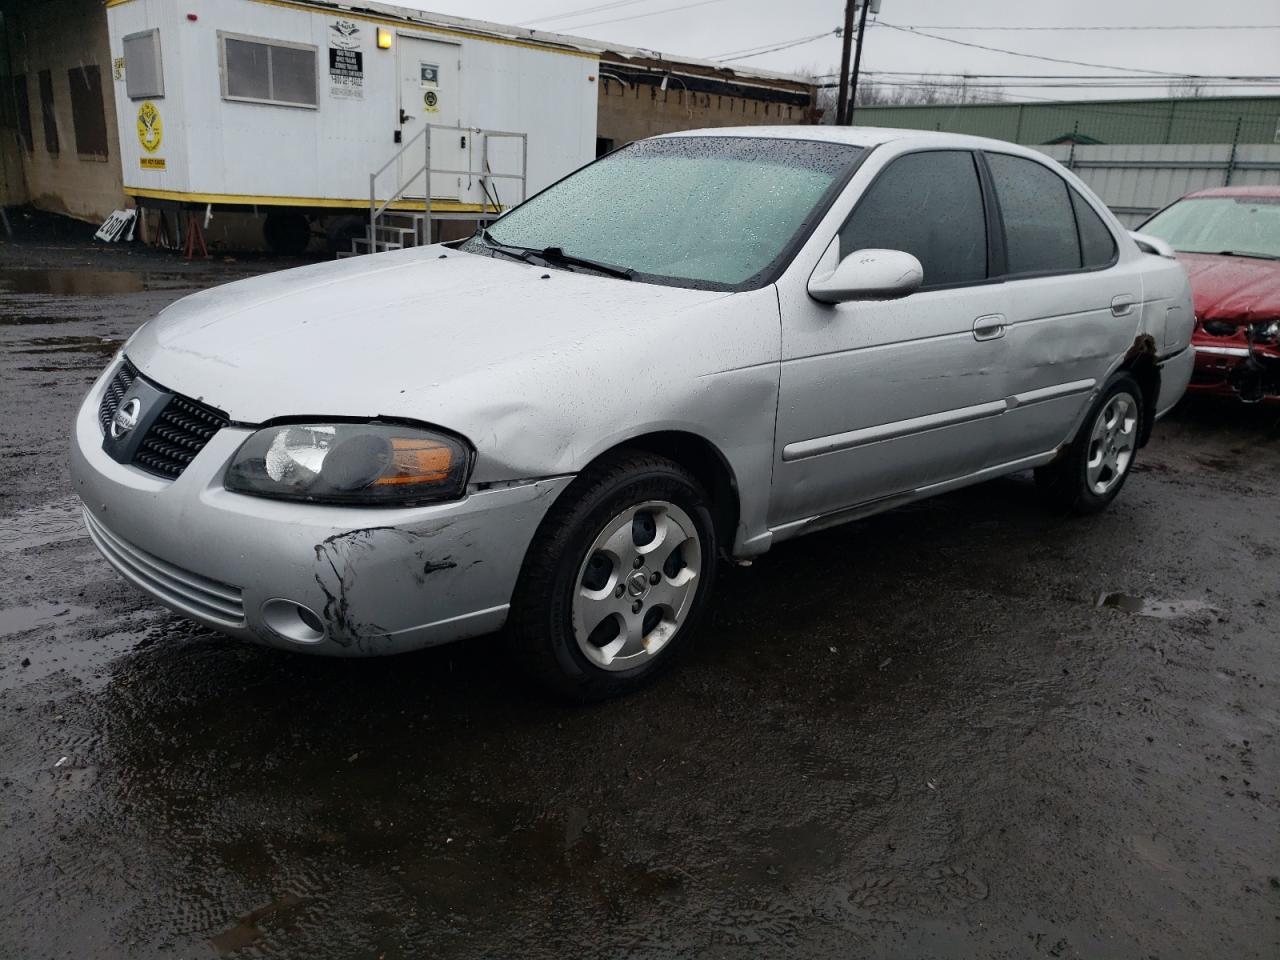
x: 1239, y: 289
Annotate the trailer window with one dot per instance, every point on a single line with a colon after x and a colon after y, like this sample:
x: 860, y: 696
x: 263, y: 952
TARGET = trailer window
x: 87, y: 116
x: 268, y: 71
x: 48, y: 116
x: 143, y: 76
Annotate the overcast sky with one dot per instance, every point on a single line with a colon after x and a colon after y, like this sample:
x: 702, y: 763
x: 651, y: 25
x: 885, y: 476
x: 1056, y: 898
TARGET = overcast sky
x: 711, y: 28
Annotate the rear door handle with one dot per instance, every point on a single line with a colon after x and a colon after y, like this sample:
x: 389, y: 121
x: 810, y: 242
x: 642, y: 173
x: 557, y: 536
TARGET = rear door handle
x: 1122, y: 305
x: 990, y: 327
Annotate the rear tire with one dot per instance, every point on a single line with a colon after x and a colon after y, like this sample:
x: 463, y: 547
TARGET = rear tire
x: 1095, y: 466
x: 616, y: 580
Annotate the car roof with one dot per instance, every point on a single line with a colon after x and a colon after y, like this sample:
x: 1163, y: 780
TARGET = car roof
x: 1254, y: 191
x: 859, y: 136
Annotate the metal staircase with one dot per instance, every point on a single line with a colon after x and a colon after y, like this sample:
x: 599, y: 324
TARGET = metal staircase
x: 396, y: 222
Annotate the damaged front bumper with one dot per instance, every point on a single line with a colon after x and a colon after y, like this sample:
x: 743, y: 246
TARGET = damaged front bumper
x: 1234, y: 370
x: 339, y: 581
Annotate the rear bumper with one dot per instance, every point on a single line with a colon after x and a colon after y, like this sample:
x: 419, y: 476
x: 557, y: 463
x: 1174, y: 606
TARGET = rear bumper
x: 379, y: 580
x: 1175, y: 375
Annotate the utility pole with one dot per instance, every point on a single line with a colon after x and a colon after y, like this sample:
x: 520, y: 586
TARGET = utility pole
x: 857, y: 56
x: 846, y: 40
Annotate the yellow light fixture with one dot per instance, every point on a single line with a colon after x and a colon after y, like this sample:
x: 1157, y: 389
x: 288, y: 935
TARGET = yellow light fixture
x: 384, y: 38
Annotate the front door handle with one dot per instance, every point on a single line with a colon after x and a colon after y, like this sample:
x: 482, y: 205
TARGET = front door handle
x: 404, y: 117
x: 990, y: 327
x: 1122, y: 305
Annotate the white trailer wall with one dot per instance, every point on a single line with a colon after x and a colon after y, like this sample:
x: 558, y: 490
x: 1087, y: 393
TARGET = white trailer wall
x: 218, y: 150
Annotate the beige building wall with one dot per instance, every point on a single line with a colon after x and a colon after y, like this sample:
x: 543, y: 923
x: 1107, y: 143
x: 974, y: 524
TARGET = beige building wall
x: 58, y: 36
x: 633, y: 105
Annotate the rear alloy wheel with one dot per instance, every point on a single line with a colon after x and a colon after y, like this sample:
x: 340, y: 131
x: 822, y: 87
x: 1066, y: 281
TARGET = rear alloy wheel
x: 616, y: 578
x: 1090, y: 474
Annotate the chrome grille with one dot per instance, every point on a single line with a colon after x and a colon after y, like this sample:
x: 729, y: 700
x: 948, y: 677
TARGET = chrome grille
x: 178, y: 434
x: 180, y: 430
x: 198, y: 597
x: 115, y: 391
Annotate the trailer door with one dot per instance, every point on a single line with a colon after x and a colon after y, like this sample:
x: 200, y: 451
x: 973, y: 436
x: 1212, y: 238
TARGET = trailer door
x: 429, y: 94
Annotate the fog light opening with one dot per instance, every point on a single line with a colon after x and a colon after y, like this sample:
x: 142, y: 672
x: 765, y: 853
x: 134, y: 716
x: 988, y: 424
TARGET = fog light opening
x: 293, y: 621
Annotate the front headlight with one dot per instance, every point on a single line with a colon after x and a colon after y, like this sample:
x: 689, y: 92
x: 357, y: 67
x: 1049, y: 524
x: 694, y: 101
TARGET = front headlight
x: 366, y: 464
x: 1266, y: 331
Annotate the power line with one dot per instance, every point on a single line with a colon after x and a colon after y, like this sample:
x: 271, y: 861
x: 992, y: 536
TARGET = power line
x: 638, y: 16
x: 787, y: 45
x: 1218, y: 26
x: 598, y: 8
x: 1030, y: 56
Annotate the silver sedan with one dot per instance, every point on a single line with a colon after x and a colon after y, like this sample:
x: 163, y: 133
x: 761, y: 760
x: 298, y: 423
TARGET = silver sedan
x: 689, y: 350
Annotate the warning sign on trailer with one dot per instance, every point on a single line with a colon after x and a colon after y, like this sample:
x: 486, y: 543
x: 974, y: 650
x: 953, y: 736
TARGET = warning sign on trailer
x: 346, y: 61
x: 429, y: 80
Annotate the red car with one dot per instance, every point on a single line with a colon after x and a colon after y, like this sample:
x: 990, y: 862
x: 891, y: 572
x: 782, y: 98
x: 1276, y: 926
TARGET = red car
x: 1228, y: 238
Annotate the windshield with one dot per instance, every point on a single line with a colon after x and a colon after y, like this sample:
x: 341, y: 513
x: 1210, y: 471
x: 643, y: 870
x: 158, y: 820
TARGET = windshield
x: 716, y: 212
x: 1247, y: 226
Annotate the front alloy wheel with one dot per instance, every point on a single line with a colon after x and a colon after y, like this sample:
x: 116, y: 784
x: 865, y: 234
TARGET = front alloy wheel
x: 616, y: 577
x: 637, y: 585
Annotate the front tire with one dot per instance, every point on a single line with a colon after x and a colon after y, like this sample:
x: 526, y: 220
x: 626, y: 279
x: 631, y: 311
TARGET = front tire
x: 617, y: 578
x: 1093, y: 470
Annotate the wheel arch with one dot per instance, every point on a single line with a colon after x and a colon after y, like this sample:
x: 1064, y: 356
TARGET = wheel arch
x: 705, y: 461
x: 1140, y: 363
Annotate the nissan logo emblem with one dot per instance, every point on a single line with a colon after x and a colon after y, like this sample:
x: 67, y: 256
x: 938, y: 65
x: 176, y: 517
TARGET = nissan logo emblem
x: 125, y: 419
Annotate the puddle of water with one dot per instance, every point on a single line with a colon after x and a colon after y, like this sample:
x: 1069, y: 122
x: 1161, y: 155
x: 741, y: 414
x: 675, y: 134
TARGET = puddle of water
x: 38, y: 526
x: 9, y: 319
x: 73, y: 282
x: 103, y: 346
x: 20, y: 619
x: 1159, y: 609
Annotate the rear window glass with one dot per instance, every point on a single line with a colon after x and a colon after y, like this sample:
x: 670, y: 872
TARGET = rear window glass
x: 1097, y: 245
x: 1039, y: 223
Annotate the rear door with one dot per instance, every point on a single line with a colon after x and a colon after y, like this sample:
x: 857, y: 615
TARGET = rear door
x: 429, y: 76
x: 1074, y: 308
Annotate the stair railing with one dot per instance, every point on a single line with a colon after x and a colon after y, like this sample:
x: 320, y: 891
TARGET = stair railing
x: 486, y: 176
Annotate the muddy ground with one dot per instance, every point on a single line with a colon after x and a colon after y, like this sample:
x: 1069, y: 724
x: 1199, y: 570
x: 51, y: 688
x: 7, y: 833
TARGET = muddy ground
x: 917, y: 736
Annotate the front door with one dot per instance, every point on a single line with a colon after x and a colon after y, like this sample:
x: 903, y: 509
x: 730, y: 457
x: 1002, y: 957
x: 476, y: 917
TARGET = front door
x: 881, y: 398
x: 429, y: 94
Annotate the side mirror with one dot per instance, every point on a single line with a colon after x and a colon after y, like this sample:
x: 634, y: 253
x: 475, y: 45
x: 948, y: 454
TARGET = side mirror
x: 868, y: 275
x: 1149, y: 244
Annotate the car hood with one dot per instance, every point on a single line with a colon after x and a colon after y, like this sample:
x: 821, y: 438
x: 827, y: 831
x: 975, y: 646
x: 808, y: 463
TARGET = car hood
x: 394, y: 335
x: 1239, y: 289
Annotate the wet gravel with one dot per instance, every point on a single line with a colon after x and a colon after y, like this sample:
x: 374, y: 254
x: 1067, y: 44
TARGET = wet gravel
x: 962, y: 729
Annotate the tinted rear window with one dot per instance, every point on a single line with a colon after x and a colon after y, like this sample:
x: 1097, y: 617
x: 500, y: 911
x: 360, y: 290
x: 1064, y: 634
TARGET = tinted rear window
x: 1039, y: 222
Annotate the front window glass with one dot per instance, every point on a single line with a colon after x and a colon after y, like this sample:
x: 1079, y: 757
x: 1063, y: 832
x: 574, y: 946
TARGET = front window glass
x: 714, y: 212
x: 928, y: 205
x: 1245, y: 226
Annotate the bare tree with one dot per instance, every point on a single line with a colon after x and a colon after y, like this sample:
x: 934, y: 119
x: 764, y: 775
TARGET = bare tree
x: 1187, y: 87
x: 939, y: 90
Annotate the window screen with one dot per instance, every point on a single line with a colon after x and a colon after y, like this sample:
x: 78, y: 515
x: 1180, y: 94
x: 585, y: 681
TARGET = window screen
x: 1039, y: 223
x: 47, y: 115
x: 1097, y: 245
x: 929, y: 205
x: 87, y: 116
x: 268, y: 71
x: 143, y: 73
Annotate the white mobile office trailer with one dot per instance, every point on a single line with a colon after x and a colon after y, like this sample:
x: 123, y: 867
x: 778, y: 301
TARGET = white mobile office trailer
x: 291, y: 105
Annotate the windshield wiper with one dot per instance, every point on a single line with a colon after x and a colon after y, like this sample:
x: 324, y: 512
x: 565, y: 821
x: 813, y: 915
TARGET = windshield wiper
x: 516, y: 253
x: 557, y: 255
x: 554, y: 255
x: 1246, y: 253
